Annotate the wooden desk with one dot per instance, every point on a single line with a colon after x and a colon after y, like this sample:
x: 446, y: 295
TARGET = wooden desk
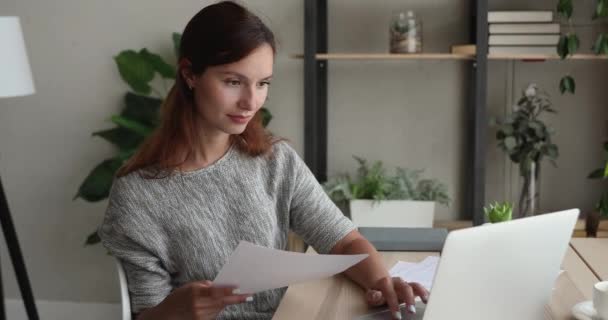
x: 339, y: 298
x: 594, y: 252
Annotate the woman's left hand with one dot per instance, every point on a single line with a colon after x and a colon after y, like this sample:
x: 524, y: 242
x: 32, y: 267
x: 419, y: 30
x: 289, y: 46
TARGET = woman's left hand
x: 394, y: 291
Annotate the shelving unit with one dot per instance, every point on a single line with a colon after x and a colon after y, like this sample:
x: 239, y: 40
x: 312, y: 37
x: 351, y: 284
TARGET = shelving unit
x: 316, y: 59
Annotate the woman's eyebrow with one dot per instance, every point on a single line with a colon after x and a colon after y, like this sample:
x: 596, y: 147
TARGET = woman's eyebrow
x: 242, y: 76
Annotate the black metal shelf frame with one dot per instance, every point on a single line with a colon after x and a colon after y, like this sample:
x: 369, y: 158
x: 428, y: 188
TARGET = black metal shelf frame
x: 315, y: 102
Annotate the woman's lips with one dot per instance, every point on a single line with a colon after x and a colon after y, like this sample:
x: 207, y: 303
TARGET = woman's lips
x: 239, y: 119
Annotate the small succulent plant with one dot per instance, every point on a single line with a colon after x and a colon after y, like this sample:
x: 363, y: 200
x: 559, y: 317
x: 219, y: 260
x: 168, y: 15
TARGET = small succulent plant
x: 498, y: 212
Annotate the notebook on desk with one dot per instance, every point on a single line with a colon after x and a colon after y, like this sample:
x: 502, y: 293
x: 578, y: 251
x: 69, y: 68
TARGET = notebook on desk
x: 502, y: 271
x: 405, y: 239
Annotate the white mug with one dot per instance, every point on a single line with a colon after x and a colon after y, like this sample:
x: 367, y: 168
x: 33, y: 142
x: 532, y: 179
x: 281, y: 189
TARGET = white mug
x: 600, y: 299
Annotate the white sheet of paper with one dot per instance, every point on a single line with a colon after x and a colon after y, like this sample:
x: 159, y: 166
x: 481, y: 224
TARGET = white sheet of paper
x: 422, y: 272
x: 253, y: 268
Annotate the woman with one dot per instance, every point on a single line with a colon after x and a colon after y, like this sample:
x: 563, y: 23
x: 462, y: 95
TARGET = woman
x: 210, y: 176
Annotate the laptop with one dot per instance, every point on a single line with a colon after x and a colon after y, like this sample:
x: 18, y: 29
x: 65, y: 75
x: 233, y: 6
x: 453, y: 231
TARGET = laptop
x: 501, y: 271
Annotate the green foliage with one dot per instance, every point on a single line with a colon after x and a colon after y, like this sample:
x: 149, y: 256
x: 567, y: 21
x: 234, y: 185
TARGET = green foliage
x: 498, y: 212
x: 372, y: 182
x: 138, y: 119
x: 601, y: 9
x: 523, y: 135
x: 565, y: 8
x: 566, y: 84
x: 569, y: 43
x: 602, y: 173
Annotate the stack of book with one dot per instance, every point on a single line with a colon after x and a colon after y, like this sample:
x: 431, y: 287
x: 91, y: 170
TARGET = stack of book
x: 522, y: 32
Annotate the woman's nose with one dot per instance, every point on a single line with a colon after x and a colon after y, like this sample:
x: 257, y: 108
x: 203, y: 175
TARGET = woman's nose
x: 248, y: 99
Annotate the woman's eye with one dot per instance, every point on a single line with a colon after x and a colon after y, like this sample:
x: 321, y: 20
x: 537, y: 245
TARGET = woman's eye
x: 233, y: 82
x: 264, y: 83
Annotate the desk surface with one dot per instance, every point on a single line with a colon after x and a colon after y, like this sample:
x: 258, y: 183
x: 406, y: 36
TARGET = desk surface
x: 594, y: 253
x: 339, y: 298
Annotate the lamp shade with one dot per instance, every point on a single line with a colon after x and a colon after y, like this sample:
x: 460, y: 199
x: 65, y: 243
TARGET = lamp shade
x: 15, y: 73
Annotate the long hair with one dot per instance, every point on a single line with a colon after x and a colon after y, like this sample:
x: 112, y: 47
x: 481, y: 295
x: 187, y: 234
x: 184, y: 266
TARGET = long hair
x: 219, y: 34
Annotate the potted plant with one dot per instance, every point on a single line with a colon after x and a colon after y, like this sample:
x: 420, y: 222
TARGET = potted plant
x: 498, y: 212
x: 525, y: 137
x: 138, y: 119
x: 601, y: 209
x: 375, y: 199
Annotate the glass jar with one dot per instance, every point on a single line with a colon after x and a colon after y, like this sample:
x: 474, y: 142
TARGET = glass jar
x: 405, y: 33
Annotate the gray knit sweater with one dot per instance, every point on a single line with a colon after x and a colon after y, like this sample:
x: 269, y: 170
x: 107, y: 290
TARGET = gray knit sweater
x: 171, y: 231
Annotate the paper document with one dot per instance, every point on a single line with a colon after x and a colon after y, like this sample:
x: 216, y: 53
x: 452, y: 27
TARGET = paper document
x: 422, y: 272
x: 253, y: 268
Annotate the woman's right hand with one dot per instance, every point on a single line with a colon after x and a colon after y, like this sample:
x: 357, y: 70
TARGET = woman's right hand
x: 198, y: 300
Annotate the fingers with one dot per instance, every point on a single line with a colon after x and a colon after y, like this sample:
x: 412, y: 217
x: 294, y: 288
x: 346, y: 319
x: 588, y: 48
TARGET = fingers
x: 406, y: 294
x: 374, y: 298
x: 420, y: 291
x: 387, y: 287
x: 223, y: 295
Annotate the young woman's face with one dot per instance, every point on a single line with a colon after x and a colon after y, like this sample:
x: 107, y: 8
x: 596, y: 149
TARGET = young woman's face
x: 227, y: 96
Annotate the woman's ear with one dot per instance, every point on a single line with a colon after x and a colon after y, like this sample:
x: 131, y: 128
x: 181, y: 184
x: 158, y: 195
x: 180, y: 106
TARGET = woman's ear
x: 185, y: 70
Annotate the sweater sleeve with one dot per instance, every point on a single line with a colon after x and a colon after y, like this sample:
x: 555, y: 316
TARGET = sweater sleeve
x: 313, y: 215
x: 132, y: 240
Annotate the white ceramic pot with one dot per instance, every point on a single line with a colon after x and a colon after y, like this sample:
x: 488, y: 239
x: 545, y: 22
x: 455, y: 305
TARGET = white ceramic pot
x: 392, y: 213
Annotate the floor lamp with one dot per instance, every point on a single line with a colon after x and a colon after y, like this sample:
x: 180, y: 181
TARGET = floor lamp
x: 15, y: 80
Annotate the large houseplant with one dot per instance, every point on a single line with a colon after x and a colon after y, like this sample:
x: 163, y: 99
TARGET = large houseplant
x: 373, y: 198
x: 144, y: 72
x: 525, y: 137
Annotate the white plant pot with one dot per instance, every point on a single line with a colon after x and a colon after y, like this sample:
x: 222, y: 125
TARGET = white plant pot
x: 392, y: 213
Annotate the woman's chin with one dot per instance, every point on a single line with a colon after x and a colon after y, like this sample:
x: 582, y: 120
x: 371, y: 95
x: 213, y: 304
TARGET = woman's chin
x: 235, y: 129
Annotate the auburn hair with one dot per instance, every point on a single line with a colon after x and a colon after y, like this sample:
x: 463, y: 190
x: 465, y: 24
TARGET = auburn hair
x: 219, y: 34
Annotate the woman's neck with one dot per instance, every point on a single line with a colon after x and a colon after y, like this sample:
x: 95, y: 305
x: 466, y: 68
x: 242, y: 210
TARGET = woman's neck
x: 210, y: 150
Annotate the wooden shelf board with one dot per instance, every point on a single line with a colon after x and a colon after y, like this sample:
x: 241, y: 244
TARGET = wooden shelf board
x: 444, y: 56
x: 545, y: 57
x: 388, y: 56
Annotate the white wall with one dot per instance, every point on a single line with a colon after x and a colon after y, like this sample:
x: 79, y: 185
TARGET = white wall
x: 405, y: 113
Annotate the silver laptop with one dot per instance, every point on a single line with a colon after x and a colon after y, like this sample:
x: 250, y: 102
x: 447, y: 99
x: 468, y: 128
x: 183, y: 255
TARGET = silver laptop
x: 502, y: 271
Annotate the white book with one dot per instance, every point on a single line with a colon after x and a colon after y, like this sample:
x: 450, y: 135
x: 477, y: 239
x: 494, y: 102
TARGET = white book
x: 522, y: 50
x: 520, y: 16
x: 524, y: 28
x: 536, y: 39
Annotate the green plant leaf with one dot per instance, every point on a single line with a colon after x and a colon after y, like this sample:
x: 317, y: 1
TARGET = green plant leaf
x: 606, y: 170
x: 601, y: 9
x: 92, y: 239
x: 177, y: 38
x: 562, y: 47
x: 598, y: 46
x: 573, y: 43
x: 596, y: 174
x: 135, y: 71
x: 567, y: 84
x: 510, y: 143
x: 143, y: 109
x: 97, y: 184
x: 552, y: 151
x: 164, y: 69
x: 564, y: 8
x: 266, y: 116
x: 132, y: 125
x: 123, y: 138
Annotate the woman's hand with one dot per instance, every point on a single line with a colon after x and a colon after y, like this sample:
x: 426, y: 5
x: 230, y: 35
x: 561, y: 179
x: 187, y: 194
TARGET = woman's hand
x: 198, y: 300
x: 394, y: 291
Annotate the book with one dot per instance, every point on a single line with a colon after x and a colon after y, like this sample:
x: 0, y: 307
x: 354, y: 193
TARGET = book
x: 542, y: 39
x: 463, y: 49
x: 520, y: 16
x: 544, y: 50
x: 524, y: 28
